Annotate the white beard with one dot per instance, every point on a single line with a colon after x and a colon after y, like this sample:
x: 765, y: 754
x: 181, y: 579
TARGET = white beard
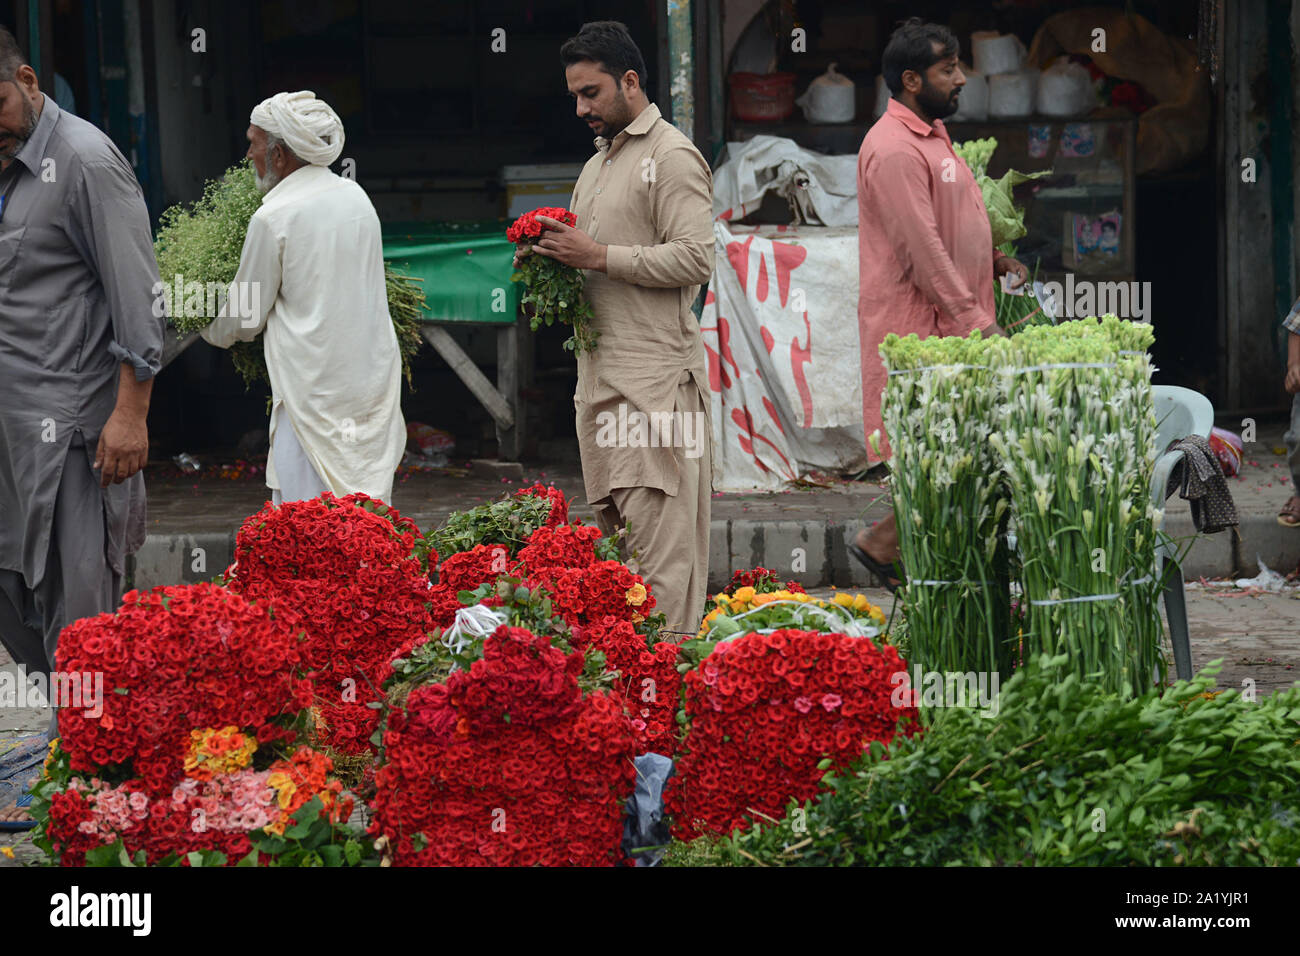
x: 266, y: 183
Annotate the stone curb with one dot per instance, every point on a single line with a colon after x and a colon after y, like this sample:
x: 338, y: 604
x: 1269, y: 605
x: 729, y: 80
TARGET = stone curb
x: 814, y: 553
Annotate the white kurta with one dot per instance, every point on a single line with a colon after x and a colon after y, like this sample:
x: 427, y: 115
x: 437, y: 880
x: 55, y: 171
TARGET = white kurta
x: 314, y: 254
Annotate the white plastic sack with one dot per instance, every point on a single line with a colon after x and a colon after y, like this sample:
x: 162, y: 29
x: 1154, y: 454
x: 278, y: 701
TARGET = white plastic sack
x: 1011, y: 95
x: 995, y: 52
x: 823, y: 190
x: 1065, y: 89
x: 830, y: 98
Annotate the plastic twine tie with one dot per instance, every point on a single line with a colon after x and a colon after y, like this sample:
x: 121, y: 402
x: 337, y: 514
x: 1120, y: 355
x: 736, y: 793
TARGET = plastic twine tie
x: 471, y: 624
x: 1093, y: 597
x: 1052, y: 365
x: 936, y: 368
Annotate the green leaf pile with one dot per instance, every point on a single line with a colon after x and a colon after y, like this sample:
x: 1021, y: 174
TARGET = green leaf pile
x: 1065, y: 774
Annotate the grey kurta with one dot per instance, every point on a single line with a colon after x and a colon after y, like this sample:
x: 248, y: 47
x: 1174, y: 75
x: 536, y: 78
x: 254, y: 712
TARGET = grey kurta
x: 77, y: 290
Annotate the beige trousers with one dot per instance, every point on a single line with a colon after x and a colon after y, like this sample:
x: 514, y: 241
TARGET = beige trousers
x: 669, y: 537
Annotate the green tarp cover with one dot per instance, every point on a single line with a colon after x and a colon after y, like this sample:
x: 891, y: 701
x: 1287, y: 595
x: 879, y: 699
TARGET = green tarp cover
x: 462, y: 265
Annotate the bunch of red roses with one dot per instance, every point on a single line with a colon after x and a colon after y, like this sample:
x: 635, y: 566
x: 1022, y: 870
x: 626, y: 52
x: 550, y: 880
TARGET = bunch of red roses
x: 552, y: 551
x: 553, y: 289
x: 764, y: 710
x: 527, y: 227
x: 602, y: 589
x: 549, y: 552
x: 559, y: 507
x: 192, y: 683
x: 506, y: 764
x: 344, y: 573
x: 173, y: 659
x: 647, y: 680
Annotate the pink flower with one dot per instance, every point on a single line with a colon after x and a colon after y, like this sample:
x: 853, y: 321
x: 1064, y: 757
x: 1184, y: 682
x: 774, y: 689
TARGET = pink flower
x: 831, y: 701
x: 803, y: 704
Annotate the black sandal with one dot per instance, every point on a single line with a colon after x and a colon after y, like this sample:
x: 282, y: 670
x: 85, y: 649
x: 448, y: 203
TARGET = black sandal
x: 881, y: 571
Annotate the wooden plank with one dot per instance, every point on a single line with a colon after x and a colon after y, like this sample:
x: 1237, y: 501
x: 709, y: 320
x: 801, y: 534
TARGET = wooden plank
x: 469, y: 373
x: 510, y: 440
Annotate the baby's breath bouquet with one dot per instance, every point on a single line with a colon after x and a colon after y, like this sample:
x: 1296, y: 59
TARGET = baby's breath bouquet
x: 1077, y: 442
x: 202, y: 243
x: 951, y: 508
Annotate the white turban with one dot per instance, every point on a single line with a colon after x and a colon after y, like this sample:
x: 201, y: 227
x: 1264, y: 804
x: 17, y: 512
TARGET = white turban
x: 303, y: 123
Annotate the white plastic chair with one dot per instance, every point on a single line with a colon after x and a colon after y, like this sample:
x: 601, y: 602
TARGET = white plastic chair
x: 1180, y: 412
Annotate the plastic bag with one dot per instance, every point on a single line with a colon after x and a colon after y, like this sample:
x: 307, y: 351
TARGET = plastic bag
x: 1065, y: 89
x: 1267, y: 579
x: 1228, y: 448
x: 831, y: 98
x: 643, y: 821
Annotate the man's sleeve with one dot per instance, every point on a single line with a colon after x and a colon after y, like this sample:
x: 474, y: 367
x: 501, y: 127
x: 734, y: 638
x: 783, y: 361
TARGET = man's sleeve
x: 681, y: 202
x: 117, y: 243
x: 898, y: 194
x: 1292, y: 321
x: 253, y: 290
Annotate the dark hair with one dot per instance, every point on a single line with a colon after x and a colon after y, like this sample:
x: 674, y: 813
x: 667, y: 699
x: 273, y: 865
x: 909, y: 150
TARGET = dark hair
x: 11, y: 56
x: 911, y: 47
x: 607, y: 43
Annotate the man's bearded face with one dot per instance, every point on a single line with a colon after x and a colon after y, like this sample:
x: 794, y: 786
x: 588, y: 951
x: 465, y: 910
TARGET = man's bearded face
x: 269, y: 179
x: 17, y: 120
x: 940, y: 85
x: 598, y: 97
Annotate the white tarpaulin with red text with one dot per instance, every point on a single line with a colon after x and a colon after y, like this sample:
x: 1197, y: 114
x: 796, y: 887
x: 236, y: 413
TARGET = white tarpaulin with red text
x: 780, y: 326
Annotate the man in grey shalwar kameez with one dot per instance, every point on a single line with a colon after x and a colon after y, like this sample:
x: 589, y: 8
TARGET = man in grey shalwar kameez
x: 79, y: 347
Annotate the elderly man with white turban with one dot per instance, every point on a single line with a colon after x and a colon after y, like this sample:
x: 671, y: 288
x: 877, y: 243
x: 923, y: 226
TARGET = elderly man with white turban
x: 313, y: 267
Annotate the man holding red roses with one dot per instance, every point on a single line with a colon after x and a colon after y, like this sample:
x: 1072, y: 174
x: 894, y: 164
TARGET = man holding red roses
x: 644, y: 237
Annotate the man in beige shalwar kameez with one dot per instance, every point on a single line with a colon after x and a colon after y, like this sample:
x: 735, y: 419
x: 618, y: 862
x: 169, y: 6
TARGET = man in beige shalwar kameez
x: 644, y: 235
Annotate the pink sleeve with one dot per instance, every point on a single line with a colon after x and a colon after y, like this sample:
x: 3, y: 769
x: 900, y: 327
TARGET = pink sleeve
x: 898, y: 192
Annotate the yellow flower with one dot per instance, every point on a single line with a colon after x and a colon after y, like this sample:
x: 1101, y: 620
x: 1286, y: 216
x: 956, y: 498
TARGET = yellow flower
x: 764, y: 598
x: 218, y: 751
x: 803, y: 598
x: 744, y: 596
x: 712, y: 614
x: 737, y: 606
x: 285, y: 789
x: 637, y: 618
x: 4, y: 850
x: 860, y: 603
x: 843, y: 600
x: 720, y: 597
x: 636, y: 595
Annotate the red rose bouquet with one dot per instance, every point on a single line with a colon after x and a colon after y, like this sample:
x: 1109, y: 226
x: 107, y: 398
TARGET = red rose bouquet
x: 553, y: 290
x: 193, y: 753
x: 507, y: 761
x: 345, y: 575
x: 763, y: 713
x: 605, y: 588
x: 645, y: 677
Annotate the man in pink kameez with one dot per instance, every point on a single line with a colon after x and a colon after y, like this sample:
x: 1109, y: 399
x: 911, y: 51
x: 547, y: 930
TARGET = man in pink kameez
x: 925, y: 250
